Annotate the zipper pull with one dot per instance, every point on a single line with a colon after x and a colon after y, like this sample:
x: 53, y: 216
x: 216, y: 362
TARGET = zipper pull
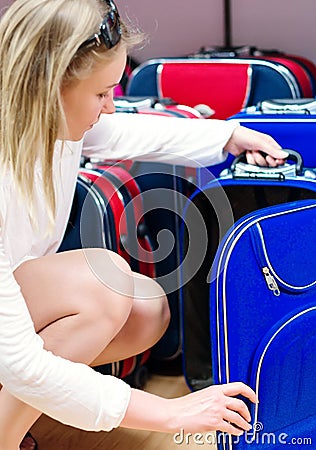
x: 270, y: 280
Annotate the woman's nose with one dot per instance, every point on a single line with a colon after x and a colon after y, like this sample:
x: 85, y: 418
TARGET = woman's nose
x: 108, y: 106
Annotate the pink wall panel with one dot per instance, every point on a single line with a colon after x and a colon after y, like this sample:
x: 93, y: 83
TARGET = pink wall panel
x: 285, y: 24
x: 4, y: 4
x: 178, y: 27
x: 175, y: 27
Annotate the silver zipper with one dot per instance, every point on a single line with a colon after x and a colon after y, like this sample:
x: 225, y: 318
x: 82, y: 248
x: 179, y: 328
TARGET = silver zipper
x: 270, y: 280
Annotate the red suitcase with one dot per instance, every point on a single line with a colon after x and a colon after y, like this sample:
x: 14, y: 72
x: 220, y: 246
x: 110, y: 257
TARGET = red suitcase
x: 224, y: 85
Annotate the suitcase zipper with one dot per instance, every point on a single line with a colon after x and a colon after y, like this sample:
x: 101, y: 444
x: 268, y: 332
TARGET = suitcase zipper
x: 273, y: 281
x: 270, y: 280
x: 258, y: 245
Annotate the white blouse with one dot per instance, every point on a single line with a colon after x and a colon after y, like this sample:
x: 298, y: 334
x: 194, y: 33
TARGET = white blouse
x: 73, y: 393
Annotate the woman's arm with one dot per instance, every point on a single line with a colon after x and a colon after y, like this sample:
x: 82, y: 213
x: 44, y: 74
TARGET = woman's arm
x: 210, y: 409
x: 187, y: 142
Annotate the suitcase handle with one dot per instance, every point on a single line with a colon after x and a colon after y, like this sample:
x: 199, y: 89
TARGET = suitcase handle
x: 288, y: 106
x: 268, y: 172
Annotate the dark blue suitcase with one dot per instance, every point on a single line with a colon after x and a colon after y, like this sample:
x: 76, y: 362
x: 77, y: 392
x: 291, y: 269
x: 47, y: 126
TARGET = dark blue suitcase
x: 93, y: 223
x: 211, y: 211
x: 88, y: 224
x: 165, y: 189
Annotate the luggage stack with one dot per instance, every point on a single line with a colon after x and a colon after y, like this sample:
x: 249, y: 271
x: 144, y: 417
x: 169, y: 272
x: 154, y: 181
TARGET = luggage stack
x: 223, y: 85
x: 248, y: 308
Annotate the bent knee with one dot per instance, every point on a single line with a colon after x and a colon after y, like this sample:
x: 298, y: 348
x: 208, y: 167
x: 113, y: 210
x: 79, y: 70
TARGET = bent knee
x: 152, y: 300
x: 108, y: 287
x: 111, y: 270
x: 162, y: 310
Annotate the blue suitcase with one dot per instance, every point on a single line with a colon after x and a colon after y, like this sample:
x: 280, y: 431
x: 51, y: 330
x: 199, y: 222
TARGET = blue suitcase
x: 291, y: 122
x: 248, y: 296
x: 263, y: 322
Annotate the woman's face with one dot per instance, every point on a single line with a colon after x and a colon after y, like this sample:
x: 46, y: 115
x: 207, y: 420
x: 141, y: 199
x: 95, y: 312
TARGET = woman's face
x: 85, y: 100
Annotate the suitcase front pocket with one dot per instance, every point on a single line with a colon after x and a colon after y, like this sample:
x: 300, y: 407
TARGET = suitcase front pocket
x: 283, y: 376
x: 285, y: 261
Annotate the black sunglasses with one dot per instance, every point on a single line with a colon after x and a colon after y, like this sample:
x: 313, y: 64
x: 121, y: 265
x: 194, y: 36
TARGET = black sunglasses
x: 110, y: 29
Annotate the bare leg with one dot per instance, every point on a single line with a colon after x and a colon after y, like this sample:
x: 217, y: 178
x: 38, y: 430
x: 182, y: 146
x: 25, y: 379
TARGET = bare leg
x: 83, y: 319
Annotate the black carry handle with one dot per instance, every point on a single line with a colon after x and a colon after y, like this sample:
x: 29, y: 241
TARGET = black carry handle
x: 293, y: 156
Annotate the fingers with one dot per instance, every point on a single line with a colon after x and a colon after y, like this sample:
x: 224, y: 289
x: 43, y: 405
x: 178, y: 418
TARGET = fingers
x: 235, y: 416
x: 274, y: 162
x: 266, y: 144
x: 261, y: 142
x: 235, y: 423
x: 257, y: 158
x: 239, y: 388
x: 239, y: 406
x: 231, y: 429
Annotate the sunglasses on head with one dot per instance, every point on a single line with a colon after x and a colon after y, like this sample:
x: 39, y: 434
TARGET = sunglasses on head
x: 110, y: 29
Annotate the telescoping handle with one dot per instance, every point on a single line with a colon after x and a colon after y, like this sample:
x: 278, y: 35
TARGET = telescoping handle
x: 241, y: 169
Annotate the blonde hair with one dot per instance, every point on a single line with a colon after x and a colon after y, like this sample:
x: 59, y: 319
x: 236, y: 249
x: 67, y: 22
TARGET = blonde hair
x: 39, y: 41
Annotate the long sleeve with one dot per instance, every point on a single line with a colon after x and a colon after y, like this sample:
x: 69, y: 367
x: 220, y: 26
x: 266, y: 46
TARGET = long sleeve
x: 187, y: 142
x: 72, y: 393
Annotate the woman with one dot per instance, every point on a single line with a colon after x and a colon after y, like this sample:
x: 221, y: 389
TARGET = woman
x: 63, y: 312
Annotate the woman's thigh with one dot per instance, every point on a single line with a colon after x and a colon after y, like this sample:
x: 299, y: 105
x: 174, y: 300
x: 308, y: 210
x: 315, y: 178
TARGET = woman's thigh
x: 68, y: 283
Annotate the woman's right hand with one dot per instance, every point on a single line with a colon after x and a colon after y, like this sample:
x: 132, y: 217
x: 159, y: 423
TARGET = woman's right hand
x: 214, y: 408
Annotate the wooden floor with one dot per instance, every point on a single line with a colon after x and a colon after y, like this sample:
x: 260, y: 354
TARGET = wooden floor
x: 52, y: 435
